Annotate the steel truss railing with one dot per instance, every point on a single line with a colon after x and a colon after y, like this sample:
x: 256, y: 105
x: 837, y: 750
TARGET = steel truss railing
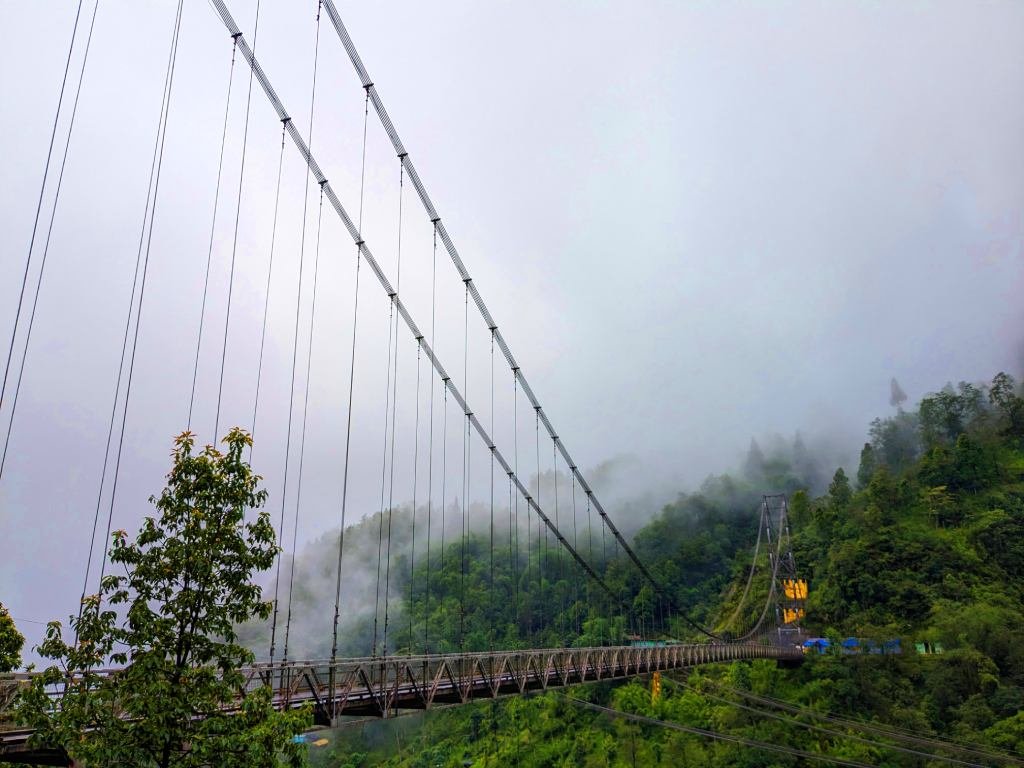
x: 378, y: 686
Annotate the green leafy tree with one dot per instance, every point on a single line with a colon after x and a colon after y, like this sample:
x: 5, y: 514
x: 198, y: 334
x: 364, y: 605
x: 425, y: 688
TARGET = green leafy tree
x: 868, y: 465
x: 839, y: 491
x: 11, y: 642
x: 170, y: 622
x: 1002, y: 394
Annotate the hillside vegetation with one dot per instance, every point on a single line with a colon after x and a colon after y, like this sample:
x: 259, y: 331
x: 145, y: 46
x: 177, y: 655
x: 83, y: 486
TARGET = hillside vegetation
x: 925, y: 543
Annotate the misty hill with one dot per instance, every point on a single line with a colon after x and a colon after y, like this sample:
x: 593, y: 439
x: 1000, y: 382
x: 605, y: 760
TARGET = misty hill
x: 923, y: 544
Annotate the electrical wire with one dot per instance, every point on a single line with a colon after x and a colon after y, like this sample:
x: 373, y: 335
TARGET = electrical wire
x: 717, y: 736
x: 831, y: 731
x: 880, y: 729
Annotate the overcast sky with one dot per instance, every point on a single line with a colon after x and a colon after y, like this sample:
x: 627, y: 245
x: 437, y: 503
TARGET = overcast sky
x: 693, y: 222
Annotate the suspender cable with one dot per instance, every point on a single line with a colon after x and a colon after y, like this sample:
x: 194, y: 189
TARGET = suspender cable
x: 558, y: 555
x: 295, y: 356
x: 575, y: 574
x: 394, y: 413
x: 465, y: 478
x: 383, y: 475
x: 213, y: 229
x: 430, y: 450
x: 302, y: 438
x: 221, y: 9
x: 266, y: 292
x: 238, y: 214
x: 514, y: 554
x: 49, y: 233
x: 145, y: 243
x: 542, y: 552
x: 42, y: 190
x: 444, y: 468
x: 491, y: 586
x: 351, y: 388
x: 428, y: 205
x: 415, y: 488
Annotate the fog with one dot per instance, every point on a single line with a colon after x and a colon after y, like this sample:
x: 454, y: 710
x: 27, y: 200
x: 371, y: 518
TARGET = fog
x: 694, y: 224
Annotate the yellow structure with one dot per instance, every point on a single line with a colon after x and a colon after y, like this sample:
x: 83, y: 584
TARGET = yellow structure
x: 655, y: 687
x: 795, y: 589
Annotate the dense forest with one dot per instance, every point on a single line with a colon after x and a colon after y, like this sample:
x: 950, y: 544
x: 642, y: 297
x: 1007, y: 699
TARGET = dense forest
x: 923, y: 542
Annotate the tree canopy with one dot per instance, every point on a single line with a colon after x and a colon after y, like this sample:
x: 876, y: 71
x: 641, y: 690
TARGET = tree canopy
x: 169, y: 620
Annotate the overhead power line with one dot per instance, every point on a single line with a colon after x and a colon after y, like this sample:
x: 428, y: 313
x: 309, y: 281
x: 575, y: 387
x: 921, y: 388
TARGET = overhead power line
x: 876, y: 728
x: 718, y: 736
x: 831, y: 731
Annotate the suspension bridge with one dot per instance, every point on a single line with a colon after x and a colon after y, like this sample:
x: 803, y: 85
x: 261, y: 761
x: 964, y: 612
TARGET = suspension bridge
x: 537, y: 529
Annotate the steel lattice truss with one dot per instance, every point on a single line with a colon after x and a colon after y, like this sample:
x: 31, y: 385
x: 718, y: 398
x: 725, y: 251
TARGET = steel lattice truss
x: 380, y: 686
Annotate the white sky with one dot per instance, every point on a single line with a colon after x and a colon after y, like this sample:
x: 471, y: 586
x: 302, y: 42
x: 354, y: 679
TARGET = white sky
x: 694, y: 222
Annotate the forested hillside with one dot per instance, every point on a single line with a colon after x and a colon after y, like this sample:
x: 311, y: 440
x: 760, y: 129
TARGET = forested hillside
x: 924, y: 543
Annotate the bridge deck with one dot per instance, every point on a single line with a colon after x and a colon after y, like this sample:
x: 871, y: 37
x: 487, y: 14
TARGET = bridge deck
x: 377, y: 686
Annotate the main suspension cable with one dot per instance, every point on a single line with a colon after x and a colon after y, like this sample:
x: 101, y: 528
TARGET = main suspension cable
x: 428, y: 205
x: 229, y: 23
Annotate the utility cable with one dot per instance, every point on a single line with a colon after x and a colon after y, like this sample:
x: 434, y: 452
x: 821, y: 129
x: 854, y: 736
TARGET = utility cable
x: 831, y: 731
x: 213, y: 229
x: 718, y: 736
x: 49, y: 232
x: 879, y: 729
